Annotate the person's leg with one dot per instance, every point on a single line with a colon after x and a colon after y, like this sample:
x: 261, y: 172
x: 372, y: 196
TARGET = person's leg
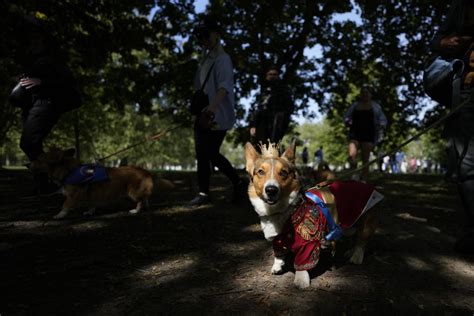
x: 463, y: 147
x: 219, y: 160
x: 37, y: 124
x: 465, y: 244
x: 202, y: 147
x: 352, y: 151
x: 366, y: 149
x: 201, y: 143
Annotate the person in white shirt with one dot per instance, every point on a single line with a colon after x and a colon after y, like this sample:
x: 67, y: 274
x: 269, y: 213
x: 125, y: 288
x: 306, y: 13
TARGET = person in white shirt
x: 216, y: 118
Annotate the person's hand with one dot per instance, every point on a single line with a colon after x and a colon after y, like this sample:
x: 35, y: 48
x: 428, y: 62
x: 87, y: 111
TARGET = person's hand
x: 348, y: 122
x: 253, y: 131
x: 29, y: 83
x: 211, y: 108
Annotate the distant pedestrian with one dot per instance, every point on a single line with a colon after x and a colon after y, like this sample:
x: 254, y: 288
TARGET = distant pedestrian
x: 366, y: 122
x: 304, y: 155
x: 319, y: 156
x: 271, y: 116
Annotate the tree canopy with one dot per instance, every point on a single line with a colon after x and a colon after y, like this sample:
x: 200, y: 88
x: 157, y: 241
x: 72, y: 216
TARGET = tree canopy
x: 135, y: 61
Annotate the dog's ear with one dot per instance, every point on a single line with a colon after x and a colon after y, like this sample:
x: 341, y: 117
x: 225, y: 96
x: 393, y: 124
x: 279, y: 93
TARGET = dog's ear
x: 53, y: 155
x: 69, y: 152
x: 250, y: 156
x: 289, y: 154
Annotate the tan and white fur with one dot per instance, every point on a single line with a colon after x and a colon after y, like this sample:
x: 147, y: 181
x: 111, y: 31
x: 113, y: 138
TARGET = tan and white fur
x: 274, y: 186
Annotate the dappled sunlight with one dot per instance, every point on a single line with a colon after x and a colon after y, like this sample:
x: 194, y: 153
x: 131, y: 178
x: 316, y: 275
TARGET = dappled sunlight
x: 172, y: 267
x: 89, y: 225
x: 254, y: 228
x: 408, y: 216
x: 455, y: 265
x: 416, y: 263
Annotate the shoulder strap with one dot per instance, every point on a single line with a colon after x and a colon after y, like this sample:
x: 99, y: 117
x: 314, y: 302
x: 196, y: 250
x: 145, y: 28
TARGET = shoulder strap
x: 335, y: 231
x: 207, y: 76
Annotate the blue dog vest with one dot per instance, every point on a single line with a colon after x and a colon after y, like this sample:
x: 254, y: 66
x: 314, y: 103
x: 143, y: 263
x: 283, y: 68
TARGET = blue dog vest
x: 85, y: 174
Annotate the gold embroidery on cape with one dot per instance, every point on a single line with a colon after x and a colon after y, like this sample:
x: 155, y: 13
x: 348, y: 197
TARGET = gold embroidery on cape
x: 307, y: 228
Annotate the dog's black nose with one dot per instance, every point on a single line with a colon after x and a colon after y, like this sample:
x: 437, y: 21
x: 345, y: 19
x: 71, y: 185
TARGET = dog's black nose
x: 271, y: 190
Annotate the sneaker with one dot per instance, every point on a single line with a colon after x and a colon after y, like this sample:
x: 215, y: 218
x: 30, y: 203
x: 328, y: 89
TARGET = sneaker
x: 200, y: 199
x: 240, y: 193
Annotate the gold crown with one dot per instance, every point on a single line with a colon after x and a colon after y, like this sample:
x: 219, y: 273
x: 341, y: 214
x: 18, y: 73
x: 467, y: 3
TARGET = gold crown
x: 270, y: 151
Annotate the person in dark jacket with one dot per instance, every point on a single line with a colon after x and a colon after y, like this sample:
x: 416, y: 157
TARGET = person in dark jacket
x: 48, y: 85
x: 455, y: 40
x: 270, y: 120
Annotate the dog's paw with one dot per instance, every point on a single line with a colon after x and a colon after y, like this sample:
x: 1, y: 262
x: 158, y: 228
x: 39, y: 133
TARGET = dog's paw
x: 277, y: 267
x: 356, y: 255
x: 134, y: 211
x: 302, y: 280
x: 61, y: 214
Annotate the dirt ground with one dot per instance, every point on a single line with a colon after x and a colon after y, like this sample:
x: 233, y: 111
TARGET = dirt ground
x: 214, y: 259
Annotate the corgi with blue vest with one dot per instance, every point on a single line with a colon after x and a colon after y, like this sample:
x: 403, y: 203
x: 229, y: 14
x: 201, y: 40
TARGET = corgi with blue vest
x: 93, y: 185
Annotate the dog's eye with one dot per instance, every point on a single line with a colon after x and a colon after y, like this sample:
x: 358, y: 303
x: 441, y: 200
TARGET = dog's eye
x: 261, y: 172
x: 283, y: 173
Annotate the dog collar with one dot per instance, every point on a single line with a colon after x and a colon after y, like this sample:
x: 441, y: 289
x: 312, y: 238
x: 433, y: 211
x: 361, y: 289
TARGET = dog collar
x: 291, y: 208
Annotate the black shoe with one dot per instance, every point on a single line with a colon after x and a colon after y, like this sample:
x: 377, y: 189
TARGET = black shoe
x: 240, y: 193
x: 200, y: 199
x: 465, y: 245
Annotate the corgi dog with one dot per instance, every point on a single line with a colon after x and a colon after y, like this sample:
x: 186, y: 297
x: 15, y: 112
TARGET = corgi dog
x: 114, y: 183
x: 322, y: 172
x: 303, y: 222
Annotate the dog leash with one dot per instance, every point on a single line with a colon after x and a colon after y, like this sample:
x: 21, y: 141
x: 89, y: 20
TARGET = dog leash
x: 406, y: 142
x: 154, y: 137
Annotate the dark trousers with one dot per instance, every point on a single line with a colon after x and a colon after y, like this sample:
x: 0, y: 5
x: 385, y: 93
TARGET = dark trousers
x: 460, y: 133
x: 37, y: 124
x: 207, y: 144
x: 266, y: 132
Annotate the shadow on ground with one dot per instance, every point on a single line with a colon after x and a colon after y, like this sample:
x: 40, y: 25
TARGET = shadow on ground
x: 214, y: 259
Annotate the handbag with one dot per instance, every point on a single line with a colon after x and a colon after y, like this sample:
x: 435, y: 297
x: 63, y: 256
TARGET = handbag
x: 205, y: 120
x: 200, y: 100
x: 442, y: 80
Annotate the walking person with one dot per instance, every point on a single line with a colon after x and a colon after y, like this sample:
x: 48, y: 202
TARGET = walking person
x: 305, y: 155
x: 45, y: 90
x: 455, y: 40
x: 271, y: 117
x: 366, y: 122
x: 215, y: 73
x: 318, y: 156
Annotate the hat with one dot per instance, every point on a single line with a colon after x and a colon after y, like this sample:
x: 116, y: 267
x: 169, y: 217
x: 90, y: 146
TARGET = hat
x: 206, y: 26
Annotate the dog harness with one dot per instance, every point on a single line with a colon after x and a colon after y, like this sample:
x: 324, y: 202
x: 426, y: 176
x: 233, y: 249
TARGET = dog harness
x: 86, y: 174
x: 311, y: 224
